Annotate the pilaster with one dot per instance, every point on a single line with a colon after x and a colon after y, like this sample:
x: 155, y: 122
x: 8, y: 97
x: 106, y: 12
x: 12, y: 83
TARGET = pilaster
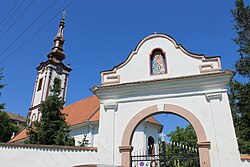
x: 223, y: 144
x: 107, y: 132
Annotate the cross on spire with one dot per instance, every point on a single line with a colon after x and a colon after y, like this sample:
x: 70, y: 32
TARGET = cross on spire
x: 64, y: 14
x: 162, y: 135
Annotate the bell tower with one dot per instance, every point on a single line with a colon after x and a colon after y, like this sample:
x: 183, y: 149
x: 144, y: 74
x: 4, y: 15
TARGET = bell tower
x: 47, y: 71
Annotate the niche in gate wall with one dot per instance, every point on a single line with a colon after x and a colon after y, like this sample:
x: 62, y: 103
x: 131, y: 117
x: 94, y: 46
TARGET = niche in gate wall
x: 158, y: 63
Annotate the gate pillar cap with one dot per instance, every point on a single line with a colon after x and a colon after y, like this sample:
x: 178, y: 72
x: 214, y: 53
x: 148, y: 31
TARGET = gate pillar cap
x: 125, y: 148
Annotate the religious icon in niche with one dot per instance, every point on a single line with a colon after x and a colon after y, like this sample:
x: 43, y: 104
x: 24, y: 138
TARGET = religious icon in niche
x: 158, y: 63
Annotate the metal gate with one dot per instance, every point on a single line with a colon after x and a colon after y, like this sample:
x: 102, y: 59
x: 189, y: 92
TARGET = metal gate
x: 181, y: 156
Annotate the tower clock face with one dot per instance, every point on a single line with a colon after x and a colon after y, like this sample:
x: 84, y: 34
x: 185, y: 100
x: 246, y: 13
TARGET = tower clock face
x: 59, y: 70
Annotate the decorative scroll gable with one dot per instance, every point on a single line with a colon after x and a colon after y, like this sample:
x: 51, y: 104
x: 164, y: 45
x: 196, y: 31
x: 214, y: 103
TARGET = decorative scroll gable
x: 158, y: 56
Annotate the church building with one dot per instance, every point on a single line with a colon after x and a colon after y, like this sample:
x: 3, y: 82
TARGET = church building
x: 159, y: 76
x: 82, y: 116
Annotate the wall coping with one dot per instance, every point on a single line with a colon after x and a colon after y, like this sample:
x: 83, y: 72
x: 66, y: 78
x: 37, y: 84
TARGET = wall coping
x: 47, y: 147
x: 245, y: 156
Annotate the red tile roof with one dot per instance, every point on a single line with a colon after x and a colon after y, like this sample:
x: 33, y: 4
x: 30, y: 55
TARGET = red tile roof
x: 20, y: 136
x: 85, y: 110
x: 17, y: 117
x: 152, y: 120
x: 88, y: 110
x: 82, y: 110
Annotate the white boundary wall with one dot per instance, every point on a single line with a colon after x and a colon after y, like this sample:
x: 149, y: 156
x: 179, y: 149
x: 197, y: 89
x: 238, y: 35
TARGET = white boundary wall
x: 21, y: 155
x: 245, y: 163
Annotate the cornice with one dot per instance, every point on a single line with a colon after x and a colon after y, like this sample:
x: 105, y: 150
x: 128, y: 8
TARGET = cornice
x: 217, y: 80
x: 35, y: 107
x: 43, y: 64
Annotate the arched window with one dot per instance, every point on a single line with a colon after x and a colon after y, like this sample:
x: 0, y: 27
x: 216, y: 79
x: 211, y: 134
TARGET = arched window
x: 33, y: 117
x: 151, y: 143
x: 40, y: 84
x: 158, y: 62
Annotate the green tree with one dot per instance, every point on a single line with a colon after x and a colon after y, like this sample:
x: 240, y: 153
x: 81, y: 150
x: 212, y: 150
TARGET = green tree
x: 182, y: 149
x: 240, y: 91
x: 242, y: 27
x: 7, y: 128
x: 240, y: 106
x: 52, y: 129
x: 84, y: 142
x: 1, y: 87
x: 186, y: 136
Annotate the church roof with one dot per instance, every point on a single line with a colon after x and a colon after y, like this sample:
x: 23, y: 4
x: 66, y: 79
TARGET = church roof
x: 87, y: 110
x: 16, y: 117
x: 82, y: 111
x: 20, y: 136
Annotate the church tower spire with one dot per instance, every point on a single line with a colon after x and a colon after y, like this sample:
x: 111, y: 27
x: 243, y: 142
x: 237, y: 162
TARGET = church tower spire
x: 57, y: 53
x: 47, y: 72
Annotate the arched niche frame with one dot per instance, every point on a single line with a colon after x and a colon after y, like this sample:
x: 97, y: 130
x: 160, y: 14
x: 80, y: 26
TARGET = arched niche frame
x: 203, y: 144
x: 162, y: 63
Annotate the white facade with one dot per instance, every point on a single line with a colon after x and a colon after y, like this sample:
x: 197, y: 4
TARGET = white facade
x: 47, y: 72
x: 44, y: 82
x: 193, y: 85
x: 140, y: 138
x: 90, y: 130
x: 179, y: 62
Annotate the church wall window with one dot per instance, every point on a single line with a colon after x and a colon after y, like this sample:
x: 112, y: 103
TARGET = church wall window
x: 158, y: 63
x: 33, y: 117
x: 151, y: 142
x: 40, y: 84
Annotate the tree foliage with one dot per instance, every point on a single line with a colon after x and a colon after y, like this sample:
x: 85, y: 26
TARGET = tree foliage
x: 240, y: 91
x: 84, y: 142
x: 181, y: 151
x: 1, y: 87
x: 7, y: 128
x: 240, y: 106
x: 242, y: 27
x: 186, y: 136
x: 52, y: 129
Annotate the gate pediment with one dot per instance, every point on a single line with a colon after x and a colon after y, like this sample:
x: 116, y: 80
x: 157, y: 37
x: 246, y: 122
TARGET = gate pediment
x: 158, y: 56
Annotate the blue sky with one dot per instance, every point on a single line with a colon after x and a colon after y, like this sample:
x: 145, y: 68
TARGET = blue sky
x: 101, y: 34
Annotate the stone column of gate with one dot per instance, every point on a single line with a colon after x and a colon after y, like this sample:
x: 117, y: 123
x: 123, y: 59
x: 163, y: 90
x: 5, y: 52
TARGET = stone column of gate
x: 106, y: 138
x: 224, y: 148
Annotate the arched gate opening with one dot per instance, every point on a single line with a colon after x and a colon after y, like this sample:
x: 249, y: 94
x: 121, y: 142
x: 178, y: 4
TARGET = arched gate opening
x: 203, y: 144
